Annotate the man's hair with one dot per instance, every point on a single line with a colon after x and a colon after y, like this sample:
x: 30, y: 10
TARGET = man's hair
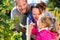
x: 18, y: 0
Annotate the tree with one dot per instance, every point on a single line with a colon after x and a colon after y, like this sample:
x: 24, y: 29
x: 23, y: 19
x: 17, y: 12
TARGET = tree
x: 6, y: 26
x: 53, y: 3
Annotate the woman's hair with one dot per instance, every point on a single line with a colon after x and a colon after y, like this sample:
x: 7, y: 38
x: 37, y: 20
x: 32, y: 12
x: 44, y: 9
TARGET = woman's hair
x: 44, y: 5
x: 48, y: 20
x: 39, y: 7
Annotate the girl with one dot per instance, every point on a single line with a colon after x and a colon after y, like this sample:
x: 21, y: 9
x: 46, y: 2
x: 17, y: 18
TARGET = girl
x: 45, y: 30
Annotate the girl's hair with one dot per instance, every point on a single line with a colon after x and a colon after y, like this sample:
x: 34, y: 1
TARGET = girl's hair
x: 55, y: 29
x: 46, y: 19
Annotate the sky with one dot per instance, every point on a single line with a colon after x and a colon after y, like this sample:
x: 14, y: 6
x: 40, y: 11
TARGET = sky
x: 44, y: 0
x: 36, y: 1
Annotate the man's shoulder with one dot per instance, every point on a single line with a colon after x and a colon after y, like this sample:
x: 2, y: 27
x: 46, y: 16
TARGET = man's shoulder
x: 14, y: 10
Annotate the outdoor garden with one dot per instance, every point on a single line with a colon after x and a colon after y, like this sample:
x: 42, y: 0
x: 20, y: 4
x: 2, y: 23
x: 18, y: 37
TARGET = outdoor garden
x: 7, y: 25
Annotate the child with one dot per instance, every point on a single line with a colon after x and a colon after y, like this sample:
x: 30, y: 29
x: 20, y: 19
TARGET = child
x: 45, y: 30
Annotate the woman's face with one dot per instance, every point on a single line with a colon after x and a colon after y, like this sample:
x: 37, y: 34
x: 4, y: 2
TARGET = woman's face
x: 36, y: 13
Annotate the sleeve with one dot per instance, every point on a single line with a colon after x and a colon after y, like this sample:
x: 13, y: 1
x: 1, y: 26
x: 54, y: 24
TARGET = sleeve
x: 13, y: 12
x: 49, y: 14
x: 27, y: 31
x: 28, y: 20
x: 34, y: 31
x: 38, y: 37
x: 17, y: 26
x: 12, y: 16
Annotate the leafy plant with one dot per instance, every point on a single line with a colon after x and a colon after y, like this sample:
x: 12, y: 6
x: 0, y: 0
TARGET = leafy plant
x: 6, y: 26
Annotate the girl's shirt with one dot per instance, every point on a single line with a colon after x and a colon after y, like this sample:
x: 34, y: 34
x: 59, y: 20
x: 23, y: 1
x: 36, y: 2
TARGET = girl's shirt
x: 45, y: 34
x: 34, y: 30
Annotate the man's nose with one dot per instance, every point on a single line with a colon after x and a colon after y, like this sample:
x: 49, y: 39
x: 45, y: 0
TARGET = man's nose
x: 22, y: 7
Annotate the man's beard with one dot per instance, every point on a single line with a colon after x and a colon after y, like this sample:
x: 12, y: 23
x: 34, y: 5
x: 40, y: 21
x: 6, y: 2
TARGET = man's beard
x: 26, y: 13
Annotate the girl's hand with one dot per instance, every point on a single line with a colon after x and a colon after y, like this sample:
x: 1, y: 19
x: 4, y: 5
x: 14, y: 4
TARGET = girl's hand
x: 30, y: 27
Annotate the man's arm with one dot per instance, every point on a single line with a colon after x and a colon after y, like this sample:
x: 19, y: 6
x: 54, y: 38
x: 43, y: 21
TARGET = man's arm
x: 17, y: 26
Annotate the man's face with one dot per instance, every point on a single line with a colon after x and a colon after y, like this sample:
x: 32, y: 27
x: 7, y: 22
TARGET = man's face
x: 22, y: 6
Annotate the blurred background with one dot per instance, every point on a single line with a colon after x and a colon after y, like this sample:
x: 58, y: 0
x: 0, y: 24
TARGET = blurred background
x: 6, y: 24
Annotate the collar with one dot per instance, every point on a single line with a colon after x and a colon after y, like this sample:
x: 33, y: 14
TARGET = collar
x: 42, y: 29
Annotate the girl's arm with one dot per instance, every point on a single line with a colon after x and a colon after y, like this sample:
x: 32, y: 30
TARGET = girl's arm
x: 29, y: 28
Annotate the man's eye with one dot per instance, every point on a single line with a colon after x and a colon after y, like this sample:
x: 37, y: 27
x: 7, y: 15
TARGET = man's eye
x: 19, y: 6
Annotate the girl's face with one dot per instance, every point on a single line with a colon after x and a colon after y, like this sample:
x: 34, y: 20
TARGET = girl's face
x: 41, y: 24
x: 36, y: 13
x: 44, y: 22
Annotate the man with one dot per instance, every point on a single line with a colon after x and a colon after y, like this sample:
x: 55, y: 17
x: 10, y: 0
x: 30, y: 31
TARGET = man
x: 21, y: 10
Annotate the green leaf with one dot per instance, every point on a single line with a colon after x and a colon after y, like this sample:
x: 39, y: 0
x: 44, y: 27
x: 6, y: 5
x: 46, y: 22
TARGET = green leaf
x: 6, y: 25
